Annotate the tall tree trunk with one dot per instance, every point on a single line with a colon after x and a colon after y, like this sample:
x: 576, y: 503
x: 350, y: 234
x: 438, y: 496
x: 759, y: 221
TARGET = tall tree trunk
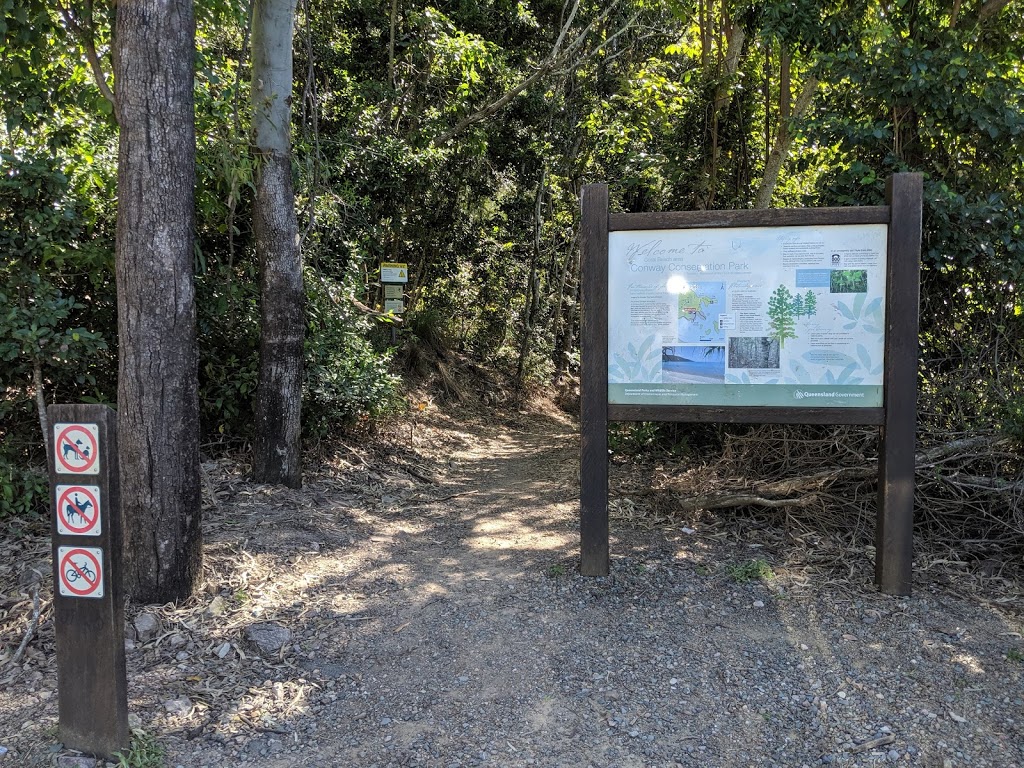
x: 158, y: 402
x: 735, y: 37
x: 277, y: 446
x: 784, y: 135
x: 44, y: 422
x: 532, y: 306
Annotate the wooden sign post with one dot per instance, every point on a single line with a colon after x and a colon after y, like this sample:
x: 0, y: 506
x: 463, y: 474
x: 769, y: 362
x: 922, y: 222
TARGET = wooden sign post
x: 394, y: 275
x: 88, y: 602
x: 708, y: 307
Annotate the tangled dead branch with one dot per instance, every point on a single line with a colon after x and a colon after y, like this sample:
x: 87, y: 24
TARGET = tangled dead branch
x: 969, y: 490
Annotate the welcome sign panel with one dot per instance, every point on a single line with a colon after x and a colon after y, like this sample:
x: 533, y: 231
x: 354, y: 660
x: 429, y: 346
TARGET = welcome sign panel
x: 747, y: 316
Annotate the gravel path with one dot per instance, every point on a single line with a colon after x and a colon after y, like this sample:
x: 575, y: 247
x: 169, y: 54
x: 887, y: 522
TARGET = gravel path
x: 432, y: 615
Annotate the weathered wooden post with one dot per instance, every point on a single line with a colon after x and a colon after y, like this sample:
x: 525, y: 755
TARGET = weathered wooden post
x: 87, y: 596
x: 594, y: 384
x: 894, y: 528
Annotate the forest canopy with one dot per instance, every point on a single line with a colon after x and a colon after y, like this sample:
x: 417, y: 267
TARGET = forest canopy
x: 456, y: 137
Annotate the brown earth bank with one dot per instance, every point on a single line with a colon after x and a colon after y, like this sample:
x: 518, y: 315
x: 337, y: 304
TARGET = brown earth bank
x: 418, y: 602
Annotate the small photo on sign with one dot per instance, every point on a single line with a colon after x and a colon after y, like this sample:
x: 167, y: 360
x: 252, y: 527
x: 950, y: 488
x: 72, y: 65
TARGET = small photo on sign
x: 848, y: 281
x: 693, y: 364
x: 753, y: 352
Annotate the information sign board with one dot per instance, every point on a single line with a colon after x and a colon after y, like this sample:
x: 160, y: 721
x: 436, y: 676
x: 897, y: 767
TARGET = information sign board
x: 747, y: 316
x: 394, y: 272
x: 782, y: 316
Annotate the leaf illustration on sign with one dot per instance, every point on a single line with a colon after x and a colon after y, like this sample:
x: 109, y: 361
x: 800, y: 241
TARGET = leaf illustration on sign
x: 642, y: 364
x: 800, y: 373
x: 865, y: 360
x: 866, y: 315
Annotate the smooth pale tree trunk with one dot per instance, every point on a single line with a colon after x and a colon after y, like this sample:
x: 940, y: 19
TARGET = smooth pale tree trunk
x: 277, y: 455
x: 784, y: 136
x: 158, y: 403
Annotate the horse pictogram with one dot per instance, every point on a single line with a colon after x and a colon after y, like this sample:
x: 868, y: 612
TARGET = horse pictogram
x: 78, y: 510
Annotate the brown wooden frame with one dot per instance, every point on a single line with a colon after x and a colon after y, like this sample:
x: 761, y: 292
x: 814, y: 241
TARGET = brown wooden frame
x: 896, y: 418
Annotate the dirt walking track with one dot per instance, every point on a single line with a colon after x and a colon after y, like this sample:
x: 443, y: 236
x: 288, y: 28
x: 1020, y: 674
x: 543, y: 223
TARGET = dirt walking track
x: 428, y: 612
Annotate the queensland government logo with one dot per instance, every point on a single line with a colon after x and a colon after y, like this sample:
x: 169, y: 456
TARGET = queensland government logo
x: 800, y: 394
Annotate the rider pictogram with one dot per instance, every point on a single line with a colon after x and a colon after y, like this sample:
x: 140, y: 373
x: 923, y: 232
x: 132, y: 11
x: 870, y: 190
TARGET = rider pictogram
x: 78, y: 510
x: 80, y: 571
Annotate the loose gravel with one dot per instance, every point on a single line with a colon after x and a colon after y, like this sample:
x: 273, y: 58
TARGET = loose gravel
x: 424, y: 608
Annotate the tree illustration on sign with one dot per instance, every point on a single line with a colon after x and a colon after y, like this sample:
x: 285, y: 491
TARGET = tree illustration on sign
x: 810, y: 303
x: 798, y: 305
x: 780, y: 312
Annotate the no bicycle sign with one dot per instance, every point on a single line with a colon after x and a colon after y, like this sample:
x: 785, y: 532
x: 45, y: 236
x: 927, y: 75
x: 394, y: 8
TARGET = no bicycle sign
x: 80, y: 571
x: 77, y: 449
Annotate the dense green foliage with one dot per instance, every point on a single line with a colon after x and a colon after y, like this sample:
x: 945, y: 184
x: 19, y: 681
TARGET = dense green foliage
x: 456, y: 136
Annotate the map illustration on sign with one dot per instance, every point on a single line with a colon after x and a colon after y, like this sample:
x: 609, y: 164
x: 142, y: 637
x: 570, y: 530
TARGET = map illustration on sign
x: 700, y: 304
x: 76, y: 449
x: 769, y: 316
x: 78, y: 510
x: 80, y: 571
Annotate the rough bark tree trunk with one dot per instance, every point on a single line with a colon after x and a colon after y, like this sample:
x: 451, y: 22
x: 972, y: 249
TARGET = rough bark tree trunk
x: 735, y: 37
x: 277, y: 446
x: 158, y: 403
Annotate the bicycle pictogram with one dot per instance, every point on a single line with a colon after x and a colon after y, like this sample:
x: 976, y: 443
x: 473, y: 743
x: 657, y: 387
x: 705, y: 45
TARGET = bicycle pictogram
x: 81, y: 571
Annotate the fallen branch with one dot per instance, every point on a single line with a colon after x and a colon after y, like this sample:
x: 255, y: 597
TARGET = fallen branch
x: 389, y: 316
x: 32, y: 626
x: 816, y: 489
x: 881, y: 741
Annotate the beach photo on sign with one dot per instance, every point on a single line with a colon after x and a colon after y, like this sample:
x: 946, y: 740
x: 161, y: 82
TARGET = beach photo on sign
x: 693, y: 364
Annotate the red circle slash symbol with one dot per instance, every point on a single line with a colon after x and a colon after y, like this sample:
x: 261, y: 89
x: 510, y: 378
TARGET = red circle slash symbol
x: 78, y: 510
x: 80, y: 573
x: 76, y: 449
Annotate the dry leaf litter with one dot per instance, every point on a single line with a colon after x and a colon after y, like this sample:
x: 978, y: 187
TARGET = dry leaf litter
x: 418, y: 603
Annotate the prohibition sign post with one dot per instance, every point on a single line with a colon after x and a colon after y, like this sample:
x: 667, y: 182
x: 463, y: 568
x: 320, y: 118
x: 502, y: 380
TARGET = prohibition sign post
x: 92, y: 687
x: 695, y: 285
